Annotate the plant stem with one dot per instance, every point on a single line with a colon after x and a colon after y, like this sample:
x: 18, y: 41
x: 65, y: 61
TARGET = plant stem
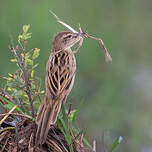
x: 27, y: 83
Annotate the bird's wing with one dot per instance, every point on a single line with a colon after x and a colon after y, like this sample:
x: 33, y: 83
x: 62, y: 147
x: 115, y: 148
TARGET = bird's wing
x: 61, y: 69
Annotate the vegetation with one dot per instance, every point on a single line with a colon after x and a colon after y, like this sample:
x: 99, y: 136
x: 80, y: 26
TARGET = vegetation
x: 20, y: 99
x: 116, y: 97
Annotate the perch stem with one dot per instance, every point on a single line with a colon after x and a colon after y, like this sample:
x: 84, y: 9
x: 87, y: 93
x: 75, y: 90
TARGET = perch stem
x: 27, y: 83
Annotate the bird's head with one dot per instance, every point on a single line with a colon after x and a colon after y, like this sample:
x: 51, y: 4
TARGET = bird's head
x: 65, y: 40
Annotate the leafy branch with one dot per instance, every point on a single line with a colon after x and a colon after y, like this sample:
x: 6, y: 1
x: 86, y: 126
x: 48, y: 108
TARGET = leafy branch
x: 23, y: 86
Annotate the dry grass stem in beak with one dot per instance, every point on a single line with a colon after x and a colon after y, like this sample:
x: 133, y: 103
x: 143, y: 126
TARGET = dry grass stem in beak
x: 84, y: 35
x: 108, y: 58
x: 64, y: 24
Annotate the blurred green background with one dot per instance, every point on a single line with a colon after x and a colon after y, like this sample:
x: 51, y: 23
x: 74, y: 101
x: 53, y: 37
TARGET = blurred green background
x: 118, y: 96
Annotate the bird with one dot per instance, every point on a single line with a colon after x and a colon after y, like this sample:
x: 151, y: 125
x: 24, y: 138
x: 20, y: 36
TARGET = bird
x: 59, y: 80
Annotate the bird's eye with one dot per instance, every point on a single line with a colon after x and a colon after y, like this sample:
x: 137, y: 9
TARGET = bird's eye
x: 69, y: 36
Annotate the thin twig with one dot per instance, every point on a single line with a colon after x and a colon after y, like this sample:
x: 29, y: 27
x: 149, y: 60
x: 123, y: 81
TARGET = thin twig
x: 7, y: 128
x: 18, y: 114
x: 27, y: 83
x: 5, y: 117
x: 4, y: 94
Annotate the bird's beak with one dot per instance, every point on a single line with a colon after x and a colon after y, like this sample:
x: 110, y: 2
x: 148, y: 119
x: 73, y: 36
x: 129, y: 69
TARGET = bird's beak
x: 80, y: 34
x: 75, y: 35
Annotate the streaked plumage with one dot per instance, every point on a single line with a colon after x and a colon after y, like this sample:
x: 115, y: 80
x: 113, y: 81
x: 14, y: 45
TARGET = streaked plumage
x: 60, y: 74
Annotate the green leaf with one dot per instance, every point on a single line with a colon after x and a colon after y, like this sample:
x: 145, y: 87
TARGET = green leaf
x: 10, y: 104
x: 26, y: 28
x: 60, y: 126
x: 29, y: 62
x: 32, y: 74
x: 35, y: 66
x: 68, y: 137
x: 64, y: 115
x: 74, y: 115
x: 87, y: 143
x: 26, y: 36
x: 36, y: 53
x: 116, y: 143
x: 13, y: 60
x: 66, y: 133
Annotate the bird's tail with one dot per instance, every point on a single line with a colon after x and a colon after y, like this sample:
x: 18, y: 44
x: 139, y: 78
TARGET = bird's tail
x: 47, y: 115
